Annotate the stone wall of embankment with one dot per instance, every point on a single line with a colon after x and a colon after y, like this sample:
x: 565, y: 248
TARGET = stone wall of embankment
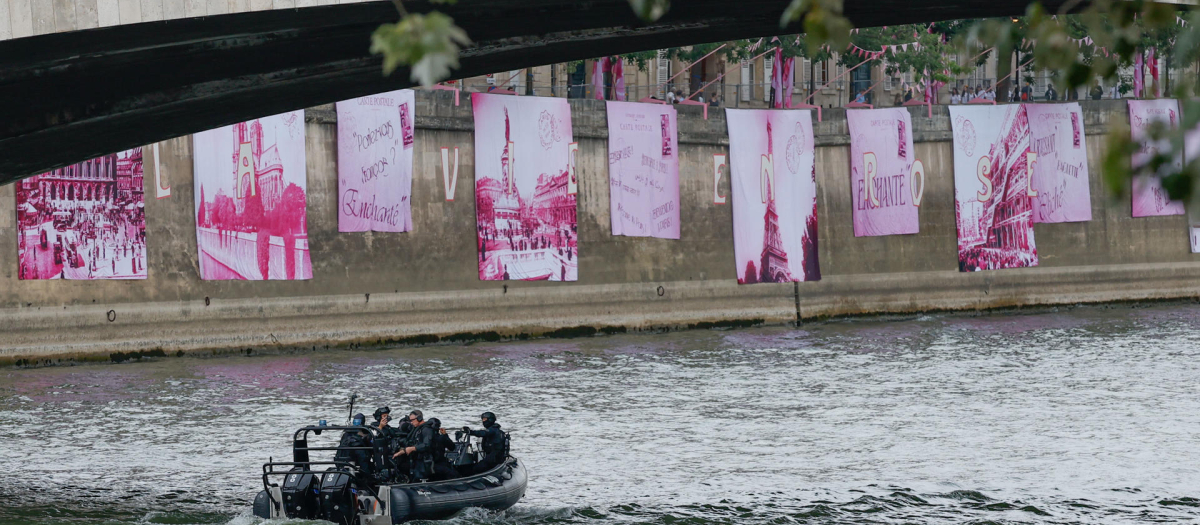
x: 410, y: 287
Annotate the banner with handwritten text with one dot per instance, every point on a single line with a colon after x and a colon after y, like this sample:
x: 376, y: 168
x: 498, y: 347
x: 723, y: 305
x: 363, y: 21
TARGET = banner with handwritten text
x: 884, y: 186
x: 1149, y: 198
x: 375, y: 162
x: 993, y: 206
x: 1060, y: 170
x: 774, y: 198
x: 643, y: 170
x: 525, y: 186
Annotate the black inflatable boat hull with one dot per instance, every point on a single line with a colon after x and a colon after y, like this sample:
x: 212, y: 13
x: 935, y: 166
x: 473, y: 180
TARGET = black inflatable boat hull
x: 497, y: 489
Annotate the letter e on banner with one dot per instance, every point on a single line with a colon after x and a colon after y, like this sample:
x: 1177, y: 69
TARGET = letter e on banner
x: 160, y: 191
x: 720, y: 160
x: 870, y: 169
x: 450, y: 174
x: 572, y: 178
x: 917, y: 190
x: 766, y: 177
x: 1030, y: 159
x: 983, y: 170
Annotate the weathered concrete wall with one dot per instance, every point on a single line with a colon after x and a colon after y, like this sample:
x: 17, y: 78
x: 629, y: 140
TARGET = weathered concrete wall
x: 372, y: 287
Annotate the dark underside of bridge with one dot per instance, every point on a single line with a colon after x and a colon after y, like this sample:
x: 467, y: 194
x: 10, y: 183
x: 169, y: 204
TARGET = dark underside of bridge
x: 67, y: 97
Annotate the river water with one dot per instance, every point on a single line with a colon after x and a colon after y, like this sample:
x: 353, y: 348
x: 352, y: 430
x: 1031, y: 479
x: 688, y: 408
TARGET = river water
x: 1082, y: 415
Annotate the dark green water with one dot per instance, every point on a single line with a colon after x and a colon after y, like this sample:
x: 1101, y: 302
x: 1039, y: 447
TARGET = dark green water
x: 1087, y: 415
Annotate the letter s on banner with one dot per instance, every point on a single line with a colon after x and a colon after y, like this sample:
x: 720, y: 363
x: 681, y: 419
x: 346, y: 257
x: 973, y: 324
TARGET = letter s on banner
x: 572, y: 173
x: 160, y: 191
x: 870, y: 169
x: 1030, y: 159
x: 983, y: 170
x: 719, y: 161
x: 450, y: 175
x: 918, y: 169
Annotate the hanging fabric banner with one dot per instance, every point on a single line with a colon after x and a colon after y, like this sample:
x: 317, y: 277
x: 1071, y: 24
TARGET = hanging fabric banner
x: 85, y: 221
x: 789, y: 80
x: 525, y: 186
x: 991, y: 187
x: 1149, y: 198
x: 1060, y: 170
x: 643, y: 170
x: 618, y: 75
x: 1152, y: 61
x: 774, y: 198
x: 885, y: 188
x: 375, y: 162
x: 777, y: 79
x: 1138, y: 75
x: 251, y: 190
x: 599, y: 68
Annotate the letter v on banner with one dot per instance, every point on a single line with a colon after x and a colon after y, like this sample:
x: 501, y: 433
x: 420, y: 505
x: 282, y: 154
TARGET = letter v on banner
x: 450, y: 174
x: 720, y: 160
x: 572, y: 178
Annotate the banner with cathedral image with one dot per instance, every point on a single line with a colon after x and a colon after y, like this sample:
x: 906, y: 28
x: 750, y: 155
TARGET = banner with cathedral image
x: 375, y: 162
x: 992, y: 186
x: 1060, y: 170
x: 525, y: 186
x: 251, y: 193
x: 1149, y: 198
x: 774, y: 186
x: 643, y: 170
x: 885, y: 188
x: 85, y: 221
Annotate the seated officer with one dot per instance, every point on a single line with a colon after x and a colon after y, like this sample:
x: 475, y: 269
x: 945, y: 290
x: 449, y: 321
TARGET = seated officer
x: 359, y: 439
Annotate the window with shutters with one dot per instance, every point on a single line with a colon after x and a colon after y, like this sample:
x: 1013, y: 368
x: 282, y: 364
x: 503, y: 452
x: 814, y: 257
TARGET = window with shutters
x: 664, y: 72
x: 768, y: 78
x: 806, y: 73
x: 747, y: 83
x: 841, y: 76
x: 887, y: 77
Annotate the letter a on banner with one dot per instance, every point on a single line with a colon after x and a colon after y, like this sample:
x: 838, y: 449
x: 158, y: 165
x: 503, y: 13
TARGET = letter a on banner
x: 449, y: 174
x: 719, y: 161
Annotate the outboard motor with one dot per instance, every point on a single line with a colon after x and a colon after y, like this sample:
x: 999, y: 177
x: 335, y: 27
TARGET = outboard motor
x: 337, y: 497
x: 300, y: 496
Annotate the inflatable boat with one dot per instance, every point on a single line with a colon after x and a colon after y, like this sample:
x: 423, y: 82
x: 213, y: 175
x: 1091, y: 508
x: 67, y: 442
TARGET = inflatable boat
x: 340, y: 492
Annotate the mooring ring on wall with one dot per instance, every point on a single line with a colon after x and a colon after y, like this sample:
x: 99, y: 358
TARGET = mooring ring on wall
x: 112, y: 315
x: 661, y: 291
x: 205, y: 301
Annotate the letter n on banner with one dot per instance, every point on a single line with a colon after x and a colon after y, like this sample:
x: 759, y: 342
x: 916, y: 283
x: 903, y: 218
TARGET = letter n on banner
x: 720, y: 160
x: 572, y: 178
x: 450, y: 175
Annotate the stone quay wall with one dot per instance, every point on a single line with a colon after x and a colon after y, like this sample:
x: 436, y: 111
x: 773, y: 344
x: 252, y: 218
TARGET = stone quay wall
x: 423, y: 286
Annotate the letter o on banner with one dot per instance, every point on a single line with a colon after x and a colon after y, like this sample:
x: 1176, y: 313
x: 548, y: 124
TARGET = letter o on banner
x: 917, y: 190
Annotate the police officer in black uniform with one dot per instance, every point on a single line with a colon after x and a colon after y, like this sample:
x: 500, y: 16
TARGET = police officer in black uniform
x: 356, y: 438
x: 493, y: 443
x: 420, y: 447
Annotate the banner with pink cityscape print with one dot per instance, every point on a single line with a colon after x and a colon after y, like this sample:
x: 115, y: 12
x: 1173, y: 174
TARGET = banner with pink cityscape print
x: 643, y: 170
x: 992, y: 206
x: 774, y: 198
x: 1060, y: 171
x: 250, y: 187
x: 1149, y: 199
x: 524, y: 188
x: 881, y: 171
x: 1191, y: 151
x: 84, y: 221
x: 375, y: 162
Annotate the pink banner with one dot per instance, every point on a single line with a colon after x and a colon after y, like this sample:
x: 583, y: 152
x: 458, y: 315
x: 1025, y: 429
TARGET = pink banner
x: 599, y: 68
x: 525, y: 185
x: 375, y: 162
x: 774, y: 198
x: 777, y: 79
x: 618, y: 74
x: 251, y: 192
x: 1060, y: 170
x: 643, y: 170
x: 884, y: 186
x: 789, y: 79
x: 992, y: 205
x: 1149, y: 199
x: 85, y: 221
x: 1139, y: 74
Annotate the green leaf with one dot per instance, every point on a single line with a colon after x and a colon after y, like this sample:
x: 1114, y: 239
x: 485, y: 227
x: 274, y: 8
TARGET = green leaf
x: 650, y: 10
x: 428, y: 44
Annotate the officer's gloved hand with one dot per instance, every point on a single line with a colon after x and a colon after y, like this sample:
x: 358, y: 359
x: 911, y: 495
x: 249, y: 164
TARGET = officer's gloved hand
x: 466, y: 430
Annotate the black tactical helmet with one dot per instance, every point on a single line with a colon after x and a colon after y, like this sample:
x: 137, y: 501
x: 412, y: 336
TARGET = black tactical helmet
x: 358, y: 419
x: 488, y: 418
x: 379, y: 412
x: 434, y: 423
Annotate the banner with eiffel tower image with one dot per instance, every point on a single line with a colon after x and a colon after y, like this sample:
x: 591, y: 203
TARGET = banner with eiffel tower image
x: 773, y: 177
x: 525, y: 186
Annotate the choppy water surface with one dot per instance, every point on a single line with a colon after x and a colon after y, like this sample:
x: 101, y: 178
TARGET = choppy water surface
x: 1089, y: 415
